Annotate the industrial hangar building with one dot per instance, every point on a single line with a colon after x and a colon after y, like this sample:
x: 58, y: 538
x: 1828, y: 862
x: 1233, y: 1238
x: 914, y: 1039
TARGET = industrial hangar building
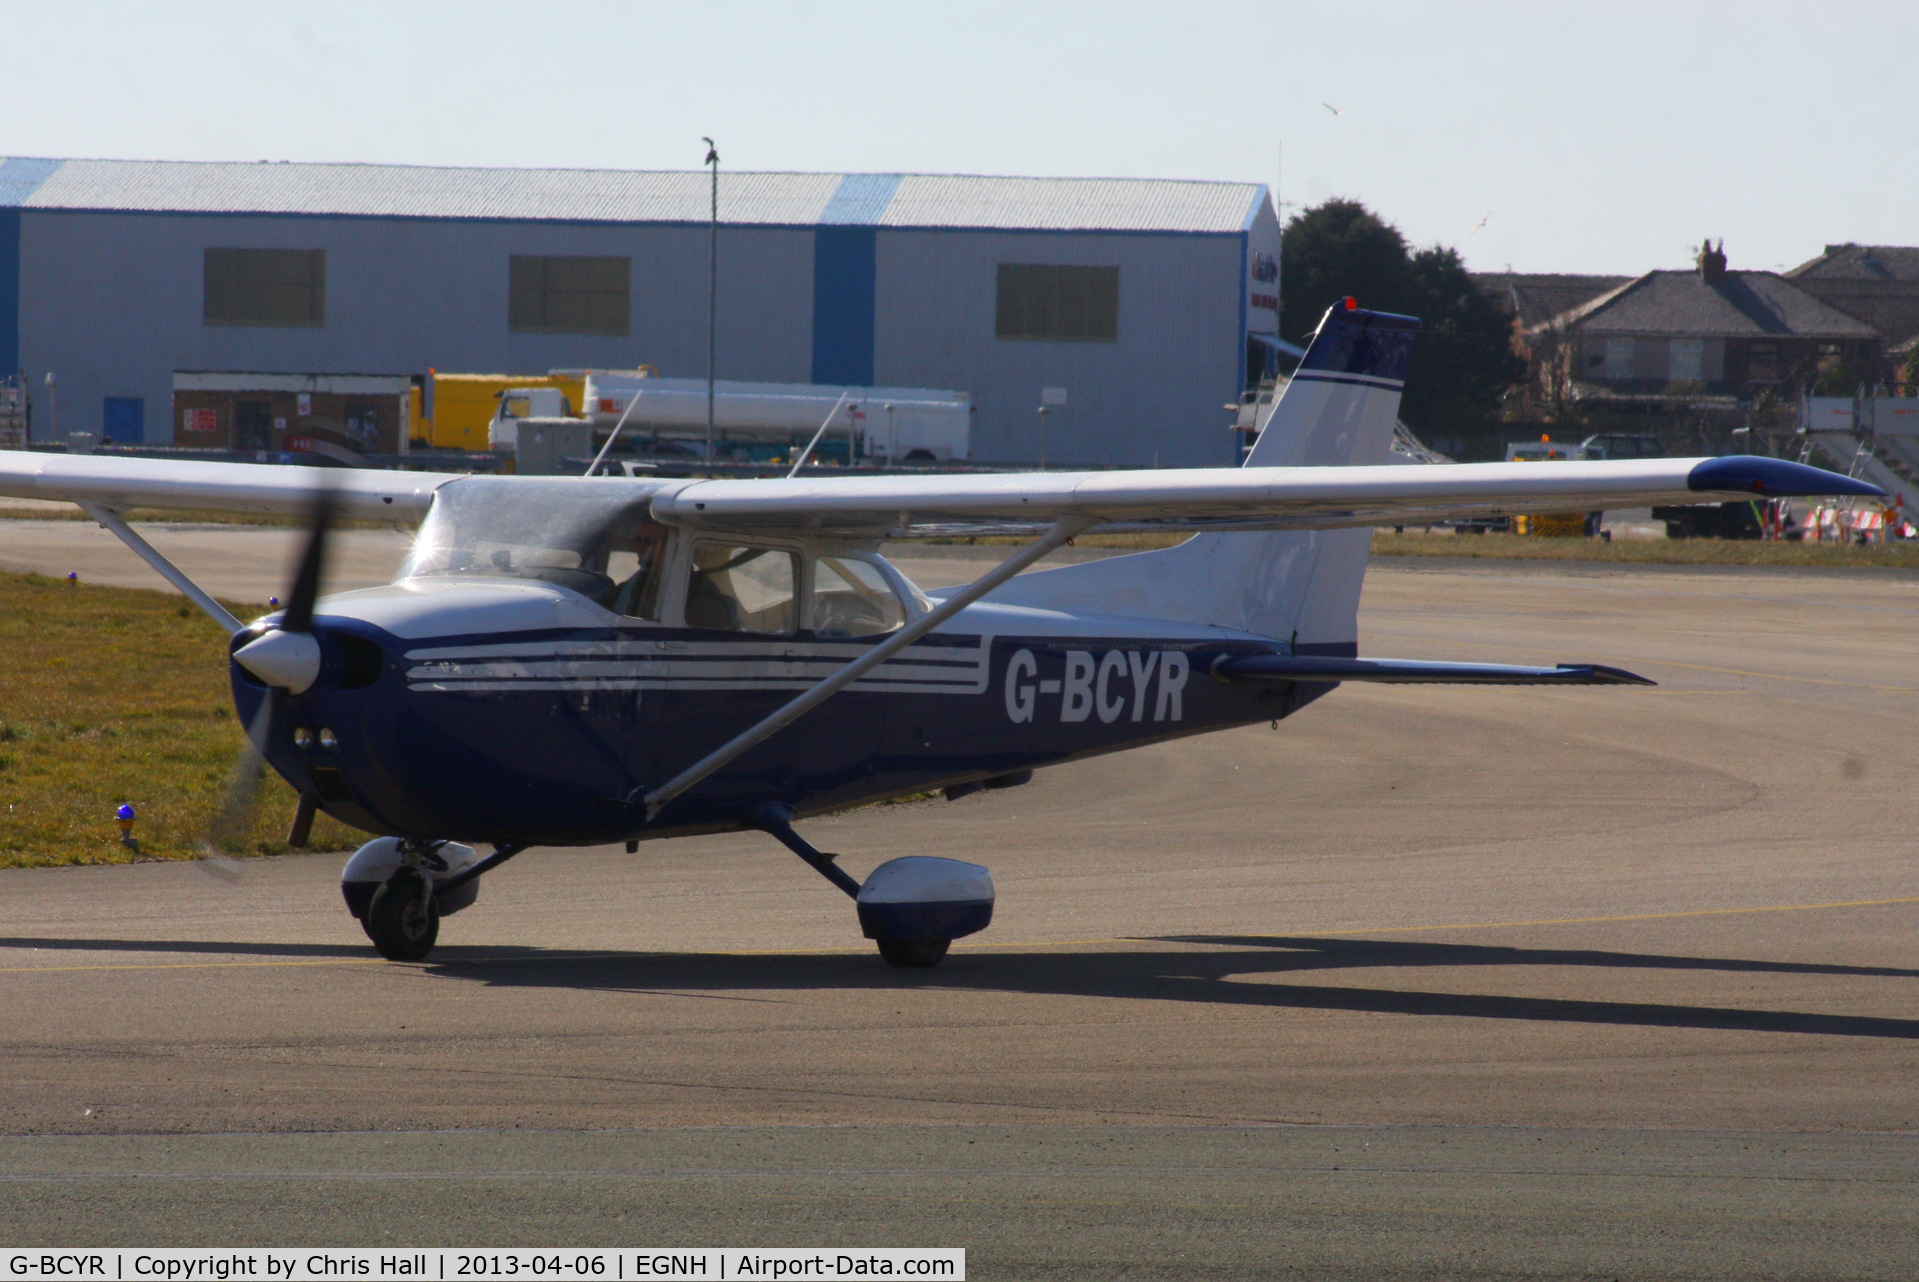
x: 1148, y: 302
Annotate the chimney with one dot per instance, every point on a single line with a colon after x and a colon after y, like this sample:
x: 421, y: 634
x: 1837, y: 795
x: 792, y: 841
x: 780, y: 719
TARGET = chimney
x: 1712, y: 262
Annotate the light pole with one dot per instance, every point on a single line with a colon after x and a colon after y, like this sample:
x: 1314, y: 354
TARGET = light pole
x: 1044, y: 410
x: 712, y: 288
x: 53, y: 404
x: 1279, y: 220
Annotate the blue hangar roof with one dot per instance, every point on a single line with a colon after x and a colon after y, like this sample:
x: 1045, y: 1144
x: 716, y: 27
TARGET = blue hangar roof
x: 639, y: 196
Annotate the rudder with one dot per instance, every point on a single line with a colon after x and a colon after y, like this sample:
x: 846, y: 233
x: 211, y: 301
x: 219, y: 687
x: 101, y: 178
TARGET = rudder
x: 1299, y: 586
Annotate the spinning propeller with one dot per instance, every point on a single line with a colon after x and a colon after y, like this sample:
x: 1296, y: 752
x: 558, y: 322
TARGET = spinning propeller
x: 287, y: 658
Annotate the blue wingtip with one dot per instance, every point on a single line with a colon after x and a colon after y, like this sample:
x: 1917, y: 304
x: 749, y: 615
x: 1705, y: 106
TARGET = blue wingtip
x: 1773, y: 478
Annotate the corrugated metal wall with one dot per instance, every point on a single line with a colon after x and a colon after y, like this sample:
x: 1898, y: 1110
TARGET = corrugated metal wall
x: 112, y: 303
x: 1158, y: 391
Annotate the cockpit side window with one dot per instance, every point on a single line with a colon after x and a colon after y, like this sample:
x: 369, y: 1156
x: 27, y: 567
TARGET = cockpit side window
x: 851, y: 598
x: 739, y: 588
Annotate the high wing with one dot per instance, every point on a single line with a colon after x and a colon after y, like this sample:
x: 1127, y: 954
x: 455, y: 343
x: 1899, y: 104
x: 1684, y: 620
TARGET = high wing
x: 1245, y: 498
x: 219, y: 487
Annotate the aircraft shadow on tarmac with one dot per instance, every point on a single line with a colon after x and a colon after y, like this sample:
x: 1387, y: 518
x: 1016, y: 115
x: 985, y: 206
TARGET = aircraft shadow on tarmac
x: 1230, y: 970
x: 1238, y: 971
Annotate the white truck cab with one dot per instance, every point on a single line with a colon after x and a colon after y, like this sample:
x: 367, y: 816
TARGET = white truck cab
x: 517, y: 403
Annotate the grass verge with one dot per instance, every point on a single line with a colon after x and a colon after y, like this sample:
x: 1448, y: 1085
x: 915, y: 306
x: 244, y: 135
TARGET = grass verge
x: 1517, y: 547
x: 1131, y: 542
x: 111, y: 695
x: 1730, y: 552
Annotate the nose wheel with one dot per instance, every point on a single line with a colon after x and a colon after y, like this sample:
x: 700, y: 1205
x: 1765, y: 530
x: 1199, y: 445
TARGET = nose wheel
x: 402, y: 921
x: 400, y: 887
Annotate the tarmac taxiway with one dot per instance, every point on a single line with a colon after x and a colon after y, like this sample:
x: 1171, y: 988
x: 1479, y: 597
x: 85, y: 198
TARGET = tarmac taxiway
x: 1428, y: 982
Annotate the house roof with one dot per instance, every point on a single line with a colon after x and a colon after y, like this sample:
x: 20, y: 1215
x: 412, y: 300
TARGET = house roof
x: 644, y: 196
x: 1681, y: 304
x: 1537, y: 297
x: 1878, y: 284
x: 1860, y: 262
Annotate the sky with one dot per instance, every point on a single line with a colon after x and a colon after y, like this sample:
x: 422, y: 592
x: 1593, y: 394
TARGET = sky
x: 1603, y: 136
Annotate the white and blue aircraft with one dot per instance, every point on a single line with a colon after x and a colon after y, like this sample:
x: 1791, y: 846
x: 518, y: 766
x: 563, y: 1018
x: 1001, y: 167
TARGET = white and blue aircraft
x: 574, y: 661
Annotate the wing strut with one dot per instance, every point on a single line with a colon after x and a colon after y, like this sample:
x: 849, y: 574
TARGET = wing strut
x: 1063, y: 530
x: 110, y: 521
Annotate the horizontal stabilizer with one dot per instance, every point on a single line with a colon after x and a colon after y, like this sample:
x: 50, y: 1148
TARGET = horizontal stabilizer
x: 1306, y: 667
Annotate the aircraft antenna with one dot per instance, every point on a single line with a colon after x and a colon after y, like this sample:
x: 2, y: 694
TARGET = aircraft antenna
x: 594, y: 466
x: 800, y: 462
x: 712, y: 289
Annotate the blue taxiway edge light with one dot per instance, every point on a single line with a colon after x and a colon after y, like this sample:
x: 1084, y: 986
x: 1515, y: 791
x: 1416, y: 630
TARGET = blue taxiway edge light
x: 1774, y: 478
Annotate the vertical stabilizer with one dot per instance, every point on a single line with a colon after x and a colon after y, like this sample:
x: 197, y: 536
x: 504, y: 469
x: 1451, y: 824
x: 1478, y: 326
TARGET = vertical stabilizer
x: 1298, y: 586
x: 1340, y: 407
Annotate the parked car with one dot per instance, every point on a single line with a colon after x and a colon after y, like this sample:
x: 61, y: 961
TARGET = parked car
x: 1612, y: 446
x: 624, y: 467
x: 1543, y: 450
x: 1736, y: 520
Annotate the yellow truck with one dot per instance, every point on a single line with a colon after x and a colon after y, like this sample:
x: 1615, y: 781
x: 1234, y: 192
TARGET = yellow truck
x: 457, y: 409
x: 1552, y: 525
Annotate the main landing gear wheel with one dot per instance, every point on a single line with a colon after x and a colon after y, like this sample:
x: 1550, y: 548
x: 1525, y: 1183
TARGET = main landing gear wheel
x: 402, y: 921
x: 919, y: 953
x: 913, y: 907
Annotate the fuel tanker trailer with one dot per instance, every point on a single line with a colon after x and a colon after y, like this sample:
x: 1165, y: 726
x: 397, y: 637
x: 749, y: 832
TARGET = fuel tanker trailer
x: 894, y: 425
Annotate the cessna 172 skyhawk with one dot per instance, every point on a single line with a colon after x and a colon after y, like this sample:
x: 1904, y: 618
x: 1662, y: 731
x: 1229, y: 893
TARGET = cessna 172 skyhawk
x: 586, y: 660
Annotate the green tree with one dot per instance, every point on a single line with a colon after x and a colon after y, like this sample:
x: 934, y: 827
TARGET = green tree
x: 1463, y: 358
x: 1339, y: 250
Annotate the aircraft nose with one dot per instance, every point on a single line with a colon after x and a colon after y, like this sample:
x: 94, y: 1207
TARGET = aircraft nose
x: 289, y: 660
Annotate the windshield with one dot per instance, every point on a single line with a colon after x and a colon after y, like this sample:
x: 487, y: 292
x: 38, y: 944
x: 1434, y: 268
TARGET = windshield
x: 594, y: 537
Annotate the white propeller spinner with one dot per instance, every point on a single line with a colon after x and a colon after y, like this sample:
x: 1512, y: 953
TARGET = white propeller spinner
x: 289, y: 660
